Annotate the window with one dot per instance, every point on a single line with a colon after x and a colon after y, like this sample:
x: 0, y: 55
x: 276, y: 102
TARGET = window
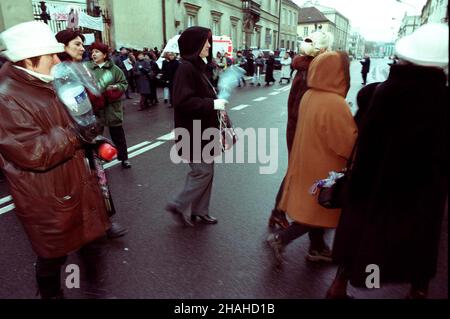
x: 190, y: 21
x: 287, y: 45
x: 282, y: 43
x: 234, y: 21
x: 275, y: 39
x: 234, y: 37
x: 258, y: 36
x: 216, y: 28
x: 305, y: 31
x: 268, y: 38
x: 191, y: 13
x: 283, y: 19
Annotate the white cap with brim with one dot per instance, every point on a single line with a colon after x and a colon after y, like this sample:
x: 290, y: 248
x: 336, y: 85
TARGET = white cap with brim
x: 426, y: 46
x: 28, y: 40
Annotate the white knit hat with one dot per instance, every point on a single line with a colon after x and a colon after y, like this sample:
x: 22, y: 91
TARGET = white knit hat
x: 28, y: 40
x: 427, y: 46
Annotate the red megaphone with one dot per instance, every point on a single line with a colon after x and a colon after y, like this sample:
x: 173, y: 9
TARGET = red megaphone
x: 107, y: 152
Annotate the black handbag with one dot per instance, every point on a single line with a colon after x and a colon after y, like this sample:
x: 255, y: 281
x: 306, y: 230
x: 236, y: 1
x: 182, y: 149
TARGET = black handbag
x: 333, y: 196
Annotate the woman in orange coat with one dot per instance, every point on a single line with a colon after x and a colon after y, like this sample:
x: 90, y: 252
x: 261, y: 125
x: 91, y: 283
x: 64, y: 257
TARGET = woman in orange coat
x: 323, y: 141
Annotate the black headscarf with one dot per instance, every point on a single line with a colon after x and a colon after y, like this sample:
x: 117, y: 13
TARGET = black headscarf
x: 191, y: 43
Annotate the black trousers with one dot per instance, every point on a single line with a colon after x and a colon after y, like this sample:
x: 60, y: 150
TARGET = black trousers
x: 170, y: 86
x: 296, y: 230
x: 92, y: 255
x: 364, y: 76
x: 118, y: 137
x: 153, y: 93
x: 131, y: 83
x: 145, y: 100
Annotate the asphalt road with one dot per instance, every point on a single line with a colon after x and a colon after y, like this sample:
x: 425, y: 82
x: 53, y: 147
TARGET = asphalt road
x: 159, y: 259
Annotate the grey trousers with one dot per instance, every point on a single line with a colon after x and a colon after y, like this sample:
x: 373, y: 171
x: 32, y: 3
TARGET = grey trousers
x: 197, y: 189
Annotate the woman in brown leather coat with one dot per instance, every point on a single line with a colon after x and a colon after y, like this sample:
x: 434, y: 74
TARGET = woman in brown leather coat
x: 56, y: 194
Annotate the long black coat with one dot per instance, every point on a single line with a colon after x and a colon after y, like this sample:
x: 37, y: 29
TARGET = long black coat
x: 169, y: 68
x: 142, y: 70
x: 269, y: 69
x: 398, y: 186
x: 250, y: 65
x: 193, y: 95
x: 365, y: 65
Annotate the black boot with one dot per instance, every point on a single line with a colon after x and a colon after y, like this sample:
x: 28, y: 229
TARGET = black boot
x: 48, y: 277
x: 49, y: 287
x: 116, y: 230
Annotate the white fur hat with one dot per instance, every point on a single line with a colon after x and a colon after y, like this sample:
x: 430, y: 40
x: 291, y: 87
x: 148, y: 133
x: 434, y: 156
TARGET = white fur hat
x: 28, y: 40
x: 427, y: 46
x: 321, y: 39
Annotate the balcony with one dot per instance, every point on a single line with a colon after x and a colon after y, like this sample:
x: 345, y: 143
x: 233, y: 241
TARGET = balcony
x: 253, y: 8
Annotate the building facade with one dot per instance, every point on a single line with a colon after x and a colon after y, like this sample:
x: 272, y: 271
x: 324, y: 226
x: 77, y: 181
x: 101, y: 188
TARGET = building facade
x: 341, y: 24
x: 356, y: 45
x: 408, y: 25
x: 13, y: 12
x: 248, y: 23
x: 435, y: 11
x: 288, y: 25
x: 310, y: 19
x: 143, y: 23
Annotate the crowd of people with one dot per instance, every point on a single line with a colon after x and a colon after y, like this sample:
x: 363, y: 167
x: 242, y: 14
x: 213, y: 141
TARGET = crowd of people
x: 394, y: 150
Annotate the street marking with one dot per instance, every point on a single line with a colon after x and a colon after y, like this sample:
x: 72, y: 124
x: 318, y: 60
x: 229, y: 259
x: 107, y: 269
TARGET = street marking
x: 111, y: 164
x: 260, y: 99
x: 7, y: 208
x: 135, y: 147
x: 167, y: 137
x: 239, y: 107
x: 145, y: 149
x: 5, y: 200
x: 274, y: 93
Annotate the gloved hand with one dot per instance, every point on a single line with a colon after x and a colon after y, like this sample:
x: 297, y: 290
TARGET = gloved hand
x: 87, y: 135
x: 220, y: 104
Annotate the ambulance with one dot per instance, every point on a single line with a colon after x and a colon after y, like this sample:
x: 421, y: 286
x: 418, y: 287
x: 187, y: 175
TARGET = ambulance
x: 222, y: 44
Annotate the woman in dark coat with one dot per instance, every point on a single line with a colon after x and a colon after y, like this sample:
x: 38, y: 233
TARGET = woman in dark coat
x: 142, y: 69
x: 398, y: 184
x: 169, y: 68
x: 195, y: 107
x: 365, y: 68
x: 250, y: 65
x: 269, y: 69
x: 153, y: 79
